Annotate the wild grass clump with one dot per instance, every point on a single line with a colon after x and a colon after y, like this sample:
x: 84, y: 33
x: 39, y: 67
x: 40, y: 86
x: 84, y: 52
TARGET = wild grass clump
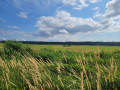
x: 16, y: 49
x: 31, y: 74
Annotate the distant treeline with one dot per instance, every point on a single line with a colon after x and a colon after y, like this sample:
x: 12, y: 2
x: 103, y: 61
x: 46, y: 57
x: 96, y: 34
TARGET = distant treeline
x: 71, y: 43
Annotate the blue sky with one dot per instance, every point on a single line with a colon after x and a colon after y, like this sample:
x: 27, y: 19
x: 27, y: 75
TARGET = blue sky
x: 60, y: 20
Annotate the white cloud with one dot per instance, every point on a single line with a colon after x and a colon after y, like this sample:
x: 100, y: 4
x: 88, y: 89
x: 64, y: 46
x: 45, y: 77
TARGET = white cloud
x: 96, y: 8
x: 70, y: 2
x: 109, y: 25
x: 22, y: 15
x: 77, y: 4
x: 63, y: 22
x: 110, y: 19
x: 13, y: 27
x: 94, y: 1
x: 113, y: 9
x: 15, y: 35
x: 79, y: 7
x: 63, y: 31
x: 98, y: 15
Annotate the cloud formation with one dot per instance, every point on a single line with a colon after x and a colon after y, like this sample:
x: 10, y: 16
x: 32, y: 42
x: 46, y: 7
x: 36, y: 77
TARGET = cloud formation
x: 79, y: 4
x: 33, y: 5
x: 14, y: 35
x: 94, y: 1
x: 96, y: 8
x: 64, y: 23
x: 22, y: 15
x: 111, y: 17
x: 13, y: 27
x: 98, y: 15
x: 110, y: 20
x: 41, y: 5
x: 113, y: 9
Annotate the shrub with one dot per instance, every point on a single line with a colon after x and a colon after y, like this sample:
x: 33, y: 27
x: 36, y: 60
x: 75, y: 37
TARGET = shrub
x: 13, y: 46
x: 16, y: 49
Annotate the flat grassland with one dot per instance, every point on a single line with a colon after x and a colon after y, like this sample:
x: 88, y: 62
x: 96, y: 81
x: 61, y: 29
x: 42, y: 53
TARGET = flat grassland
x: 78, y: 48
x: 75, y: 48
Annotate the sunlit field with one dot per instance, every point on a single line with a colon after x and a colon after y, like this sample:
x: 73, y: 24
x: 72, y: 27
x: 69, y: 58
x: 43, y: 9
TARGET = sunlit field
x: 77, y: 48
x: 52, y: 67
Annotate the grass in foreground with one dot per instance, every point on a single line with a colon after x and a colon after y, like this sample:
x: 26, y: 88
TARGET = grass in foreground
x: 66, y: 71
x: 33, y: 74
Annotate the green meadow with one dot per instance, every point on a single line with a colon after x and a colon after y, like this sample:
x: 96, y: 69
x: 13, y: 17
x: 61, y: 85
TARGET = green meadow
x: 58, y: 67
x: 77, y: 48
x: 74, y: 48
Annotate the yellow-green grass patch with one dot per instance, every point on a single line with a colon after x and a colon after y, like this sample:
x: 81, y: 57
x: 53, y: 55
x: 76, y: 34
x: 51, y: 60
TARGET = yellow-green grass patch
x: 1, y: 45
x: 77, y: 48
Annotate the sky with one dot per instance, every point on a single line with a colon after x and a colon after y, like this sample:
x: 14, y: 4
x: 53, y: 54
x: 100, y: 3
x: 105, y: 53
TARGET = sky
x: 60, y: 20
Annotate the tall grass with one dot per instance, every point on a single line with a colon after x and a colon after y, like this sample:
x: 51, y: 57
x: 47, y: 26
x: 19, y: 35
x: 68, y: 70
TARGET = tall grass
x: 80, y: 71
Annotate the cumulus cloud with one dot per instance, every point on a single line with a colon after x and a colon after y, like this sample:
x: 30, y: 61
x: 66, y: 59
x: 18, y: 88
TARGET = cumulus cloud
x: 22, y: 15
x: 13, y: 27
x: 111, y: 17
x: 110, y: 20
x: 64, y: 23
x: 113, y: 9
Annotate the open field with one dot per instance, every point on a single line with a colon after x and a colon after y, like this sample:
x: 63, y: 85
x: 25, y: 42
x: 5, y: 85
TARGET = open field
x: 76, y: 48
x: 54, y: 68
